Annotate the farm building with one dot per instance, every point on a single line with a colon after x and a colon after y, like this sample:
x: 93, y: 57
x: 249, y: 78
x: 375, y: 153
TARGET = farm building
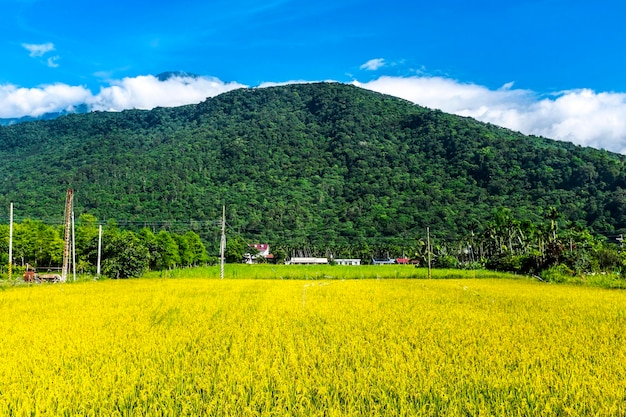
x: 306, y: 261
x: 355, y: 262
x: 383, y: 261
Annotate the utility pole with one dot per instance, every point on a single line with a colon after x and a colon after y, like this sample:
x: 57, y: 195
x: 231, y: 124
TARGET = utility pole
x: 99, y: 249
x: 11, y: 243
x: 69, y: 196
x: 223, y: 242
x: 428, y: 239
x: 73, y: 247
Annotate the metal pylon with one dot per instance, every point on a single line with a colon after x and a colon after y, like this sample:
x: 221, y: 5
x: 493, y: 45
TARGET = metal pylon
x: 69, y: 197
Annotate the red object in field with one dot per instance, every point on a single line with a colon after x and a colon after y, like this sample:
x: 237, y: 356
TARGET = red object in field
x: 29, y: 275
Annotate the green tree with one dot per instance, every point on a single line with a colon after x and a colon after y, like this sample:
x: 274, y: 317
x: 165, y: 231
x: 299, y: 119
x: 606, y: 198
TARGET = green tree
x: 184, y: 252
x: 4, y: 245
x: 87, y: 231
x: 37, y: 244
x: 279, y: 255
x: 236, y: 248
x: 125, y: 256
x: 196, y: 248
x: 150, y: 242
x: 168, y: 249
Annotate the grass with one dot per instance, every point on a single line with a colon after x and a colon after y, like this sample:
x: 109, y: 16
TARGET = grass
x: 327, y: 272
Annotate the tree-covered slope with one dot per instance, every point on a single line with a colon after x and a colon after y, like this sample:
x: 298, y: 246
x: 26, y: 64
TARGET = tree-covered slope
x: 317, y: 162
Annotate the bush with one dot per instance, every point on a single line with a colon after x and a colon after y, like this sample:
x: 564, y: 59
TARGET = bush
x: 557, y: 274
x: 446, y: 262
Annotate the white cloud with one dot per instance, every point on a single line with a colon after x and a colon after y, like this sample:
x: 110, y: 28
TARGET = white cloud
x: 278, y: 84
x: 36, y: 50
x: 373, y: 64
x: 142, y: 92
x: 19, y: 102
x: 52, y: 61
x: 584, y: 117
x: 581, y: 116
x: 148, y: 92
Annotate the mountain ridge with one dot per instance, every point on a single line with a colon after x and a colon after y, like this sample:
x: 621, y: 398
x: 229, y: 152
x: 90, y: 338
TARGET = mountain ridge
x: 319, y: 162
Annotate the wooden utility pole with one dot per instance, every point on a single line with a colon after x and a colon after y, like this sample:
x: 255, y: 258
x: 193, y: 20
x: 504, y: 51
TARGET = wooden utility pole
x: 428, y: 239
x: 223, y: 242
x: 69, y: 196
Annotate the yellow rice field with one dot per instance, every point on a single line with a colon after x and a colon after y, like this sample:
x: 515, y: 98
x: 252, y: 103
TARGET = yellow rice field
x: 172, y: 347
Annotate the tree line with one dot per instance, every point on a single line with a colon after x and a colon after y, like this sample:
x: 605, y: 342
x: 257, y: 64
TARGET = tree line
x: 328, y: 165
x: 124, y: 253
x: 503, y: 243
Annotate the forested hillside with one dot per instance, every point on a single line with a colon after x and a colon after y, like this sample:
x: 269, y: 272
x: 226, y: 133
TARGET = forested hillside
x: 315, y: 164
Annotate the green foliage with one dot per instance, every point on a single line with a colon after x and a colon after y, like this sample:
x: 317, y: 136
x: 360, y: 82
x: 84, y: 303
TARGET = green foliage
x: 37, y: 243
x: 447, y: 262
x: 279, y: 256
x: 196, y: 249
x: 125, y: 256
x: 326, y: 169
x: 323, y: 166
x: 168, y: 251
x: 86, y: 242
x: 236, y: 248
x: 558, y: 274
x: 323, y: 272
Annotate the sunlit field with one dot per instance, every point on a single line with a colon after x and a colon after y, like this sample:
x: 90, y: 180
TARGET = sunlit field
x: 316, y: 272
x: 247, y: 347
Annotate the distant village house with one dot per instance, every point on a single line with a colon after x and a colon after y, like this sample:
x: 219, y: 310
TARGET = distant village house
x: 263, y: 252
x: 354, y: 262
x: 306, y: 261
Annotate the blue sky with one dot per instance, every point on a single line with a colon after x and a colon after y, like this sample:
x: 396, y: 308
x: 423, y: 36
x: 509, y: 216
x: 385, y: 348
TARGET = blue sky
x: 551, y: 67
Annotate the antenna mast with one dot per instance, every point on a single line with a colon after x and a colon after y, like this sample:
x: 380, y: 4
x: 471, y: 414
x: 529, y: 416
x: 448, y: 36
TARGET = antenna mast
x: 69, y: 197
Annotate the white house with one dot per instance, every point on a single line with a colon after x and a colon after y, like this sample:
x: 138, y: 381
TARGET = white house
x: 264, y: 252
x: 354, y: 262
x: 383, y: 261
x: 306, y: 261
x: 263, y: 248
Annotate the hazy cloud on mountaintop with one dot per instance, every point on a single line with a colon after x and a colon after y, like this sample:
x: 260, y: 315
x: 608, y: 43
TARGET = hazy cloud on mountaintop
x: 19, y: 102
x: 581, y: 116
x: 143, y: 92
x: 148, y: 92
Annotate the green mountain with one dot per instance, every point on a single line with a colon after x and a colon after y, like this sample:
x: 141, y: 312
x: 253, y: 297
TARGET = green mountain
x: 314, y: 163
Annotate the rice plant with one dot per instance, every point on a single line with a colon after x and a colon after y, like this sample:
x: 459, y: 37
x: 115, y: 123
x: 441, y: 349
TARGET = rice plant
x: 250, y: 347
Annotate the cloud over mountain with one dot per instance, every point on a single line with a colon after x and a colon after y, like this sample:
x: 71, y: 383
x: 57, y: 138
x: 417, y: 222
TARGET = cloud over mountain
x: 148, y: 92
x: 583, y: 116
x: 19, y: 102
x: 142, y: 92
